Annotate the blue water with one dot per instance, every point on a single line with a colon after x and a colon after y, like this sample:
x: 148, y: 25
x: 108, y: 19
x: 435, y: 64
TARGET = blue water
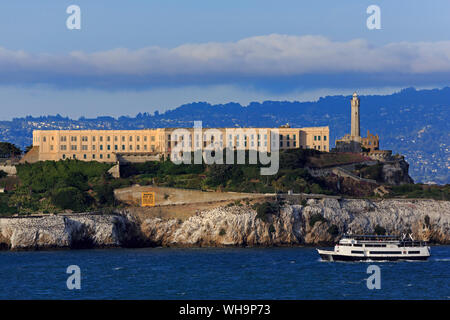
x: 238, y: 273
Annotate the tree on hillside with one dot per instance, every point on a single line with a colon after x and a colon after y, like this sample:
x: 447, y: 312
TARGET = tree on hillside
x: 70, y: 198
x: 8, y: 150
x: 22, y: 200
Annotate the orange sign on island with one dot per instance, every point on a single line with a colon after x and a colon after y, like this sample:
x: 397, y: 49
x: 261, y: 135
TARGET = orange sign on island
x: 148, y: 199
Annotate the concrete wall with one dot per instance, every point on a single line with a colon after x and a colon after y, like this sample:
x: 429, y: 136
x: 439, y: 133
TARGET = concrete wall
x: 170, y: 196
x: 341, y: 172
x: 115, y: 171
x: 381, y: 155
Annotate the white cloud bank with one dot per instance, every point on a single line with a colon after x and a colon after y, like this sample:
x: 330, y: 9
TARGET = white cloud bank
x: 261, y: 58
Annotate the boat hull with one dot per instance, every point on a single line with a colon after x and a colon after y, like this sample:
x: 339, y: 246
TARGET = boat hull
x: 338, y: 257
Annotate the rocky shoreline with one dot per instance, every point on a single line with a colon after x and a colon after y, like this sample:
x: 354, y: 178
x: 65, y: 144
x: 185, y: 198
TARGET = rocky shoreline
x: 319, y: 222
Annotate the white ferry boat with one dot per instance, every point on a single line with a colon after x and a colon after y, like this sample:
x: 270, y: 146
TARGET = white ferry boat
x: 376, y: 248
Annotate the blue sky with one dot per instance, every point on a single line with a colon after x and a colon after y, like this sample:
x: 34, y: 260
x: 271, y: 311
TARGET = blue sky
x: 145, y: 55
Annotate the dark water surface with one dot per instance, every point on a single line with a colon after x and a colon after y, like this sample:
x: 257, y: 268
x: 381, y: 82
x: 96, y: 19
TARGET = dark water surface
x: 238, y: 273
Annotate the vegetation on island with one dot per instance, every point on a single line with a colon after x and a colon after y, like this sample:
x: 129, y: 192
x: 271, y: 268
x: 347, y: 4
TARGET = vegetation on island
x: 333, y: 230
x: 292, y: 175
x: 266, y: 209
x: 9, y: 150
x: 374, y: 172
x: 419, y: 191
x: 52, y: 186
x: 316, y: 217
x: 73, y: 185
x: 379, y: 230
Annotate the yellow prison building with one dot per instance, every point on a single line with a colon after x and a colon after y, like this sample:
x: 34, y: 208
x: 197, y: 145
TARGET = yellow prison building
x: 151, y: 144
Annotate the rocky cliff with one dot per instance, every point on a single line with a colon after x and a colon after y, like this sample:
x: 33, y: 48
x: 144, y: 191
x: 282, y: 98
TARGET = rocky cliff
x: 396, y: 172
x: 318, y: 222
x: 68, y: 231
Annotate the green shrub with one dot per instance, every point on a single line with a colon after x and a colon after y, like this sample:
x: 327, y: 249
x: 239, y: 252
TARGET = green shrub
x: 222, y: 232
x: 193, y: 183
x: 104, y: 195
x: 47, y: 175
x: 70, y: 198
x: 316, y: 217
x: 23, y: 200
x: 120, y: 183
x: 8, y: 150
x: 406, y: 188
x: 315, y: 188
x: 374, y: 172
x: 422, y: 191
x: 265, y: 209
x: 5, y: 208
x: 379, y: 230
x: 333, y: 230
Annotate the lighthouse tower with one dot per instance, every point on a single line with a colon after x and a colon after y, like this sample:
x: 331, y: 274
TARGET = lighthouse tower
x: 355, y: 132
x: 353, y: 142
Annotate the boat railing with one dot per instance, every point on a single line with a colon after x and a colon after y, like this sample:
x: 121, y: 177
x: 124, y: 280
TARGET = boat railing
x: 372, y: 237
x: 400, y: 241
x: 412, y: 243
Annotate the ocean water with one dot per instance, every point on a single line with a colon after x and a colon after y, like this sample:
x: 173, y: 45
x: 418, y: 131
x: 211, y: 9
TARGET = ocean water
x: 205, y: 273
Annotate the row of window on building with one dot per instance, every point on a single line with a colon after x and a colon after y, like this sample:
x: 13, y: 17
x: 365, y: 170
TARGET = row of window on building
x: 215, y: 144
x: 108, y: 147
x: 211, y: 137
x: 317, y: 138
x: 175, y: 137
x: 85, y: 156
x: 152, y: 148
x: 245, y: 137
x: 102, y: 138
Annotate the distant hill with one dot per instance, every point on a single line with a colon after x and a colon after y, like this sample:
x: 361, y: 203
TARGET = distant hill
x: 412, y: 122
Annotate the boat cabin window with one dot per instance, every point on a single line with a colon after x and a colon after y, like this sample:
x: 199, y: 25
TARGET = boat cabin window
x: 385, y: 252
